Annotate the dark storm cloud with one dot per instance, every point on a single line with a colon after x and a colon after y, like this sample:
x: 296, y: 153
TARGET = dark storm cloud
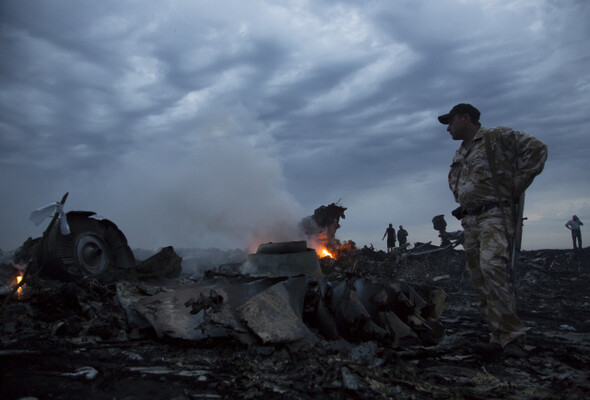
x: 222, y: 123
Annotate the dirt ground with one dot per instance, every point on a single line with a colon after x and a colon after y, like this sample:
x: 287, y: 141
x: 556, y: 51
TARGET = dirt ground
x: 65, y: 341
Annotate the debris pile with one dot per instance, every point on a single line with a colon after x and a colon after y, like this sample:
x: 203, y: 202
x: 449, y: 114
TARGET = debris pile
x: 275, y: 303
x: 372, y: 325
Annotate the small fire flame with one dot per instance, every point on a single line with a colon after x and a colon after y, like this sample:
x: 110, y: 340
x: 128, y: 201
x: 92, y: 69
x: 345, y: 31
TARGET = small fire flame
x: 19, y: 291
x: 324, y: 253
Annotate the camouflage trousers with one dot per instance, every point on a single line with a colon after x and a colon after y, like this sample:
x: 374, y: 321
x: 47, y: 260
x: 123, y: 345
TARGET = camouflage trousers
x: 487, y: 252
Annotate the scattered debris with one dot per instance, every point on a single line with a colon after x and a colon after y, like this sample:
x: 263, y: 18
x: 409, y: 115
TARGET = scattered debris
x: 369, y: 327
x: 87, y: 373
x: 165, y: 264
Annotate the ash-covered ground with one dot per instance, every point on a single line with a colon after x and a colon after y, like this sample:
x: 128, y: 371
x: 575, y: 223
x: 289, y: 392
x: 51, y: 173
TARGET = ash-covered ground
x: 73, y: 340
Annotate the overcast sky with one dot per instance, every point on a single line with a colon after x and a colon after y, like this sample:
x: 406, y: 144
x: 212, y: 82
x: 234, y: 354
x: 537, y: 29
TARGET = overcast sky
x: 223, y: 123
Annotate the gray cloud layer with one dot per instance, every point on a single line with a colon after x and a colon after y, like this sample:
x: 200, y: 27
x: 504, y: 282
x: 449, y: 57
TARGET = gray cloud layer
x: 222, y: 123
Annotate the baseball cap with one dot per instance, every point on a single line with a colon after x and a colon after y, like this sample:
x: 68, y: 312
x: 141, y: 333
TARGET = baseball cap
x: 462, y: 108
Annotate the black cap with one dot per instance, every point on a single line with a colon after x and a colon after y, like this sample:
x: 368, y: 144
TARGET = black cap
x: 462, y: 108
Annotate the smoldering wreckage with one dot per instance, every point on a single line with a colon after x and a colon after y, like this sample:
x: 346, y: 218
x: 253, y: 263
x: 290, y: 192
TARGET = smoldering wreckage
x: 285, y: 322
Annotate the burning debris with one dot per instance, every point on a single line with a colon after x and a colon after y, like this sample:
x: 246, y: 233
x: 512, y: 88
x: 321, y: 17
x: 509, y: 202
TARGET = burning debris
x: 359, y: 331
x: 284, y: 322
x: 321, y: 227
x: 320, y: 230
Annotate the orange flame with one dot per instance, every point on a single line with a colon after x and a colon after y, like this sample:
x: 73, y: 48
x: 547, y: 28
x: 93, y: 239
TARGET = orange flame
x: 19, y: 291
x: 323, y: 252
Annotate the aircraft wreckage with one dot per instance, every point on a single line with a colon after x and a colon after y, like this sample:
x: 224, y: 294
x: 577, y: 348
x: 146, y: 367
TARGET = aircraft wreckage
x: 310, y: 327
x: 280, y: 294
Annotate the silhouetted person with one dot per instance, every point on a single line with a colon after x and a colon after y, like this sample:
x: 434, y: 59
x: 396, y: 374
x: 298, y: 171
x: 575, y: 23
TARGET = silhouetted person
x: 574, y: 226
x: 390, y: 233
x: 402, y: 236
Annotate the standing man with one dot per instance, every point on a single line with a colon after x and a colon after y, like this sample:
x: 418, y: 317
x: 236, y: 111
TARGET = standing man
x: 490, y: 171
x: 390, y: 233
x: 574, y: 226
x: 402, y: 236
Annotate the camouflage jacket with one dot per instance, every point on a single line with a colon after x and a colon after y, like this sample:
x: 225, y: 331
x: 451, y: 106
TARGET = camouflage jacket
x: 518, y: 157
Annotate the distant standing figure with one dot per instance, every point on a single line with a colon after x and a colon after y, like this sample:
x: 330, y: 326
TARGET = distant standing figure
x: 402, y: 236
x: 390, y: 233
x: 574, y: 226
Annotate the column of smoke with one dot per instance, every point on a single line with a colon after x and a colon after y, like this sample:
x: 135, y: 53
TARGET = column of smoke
x: 216, y: 185
x: 220, y: 192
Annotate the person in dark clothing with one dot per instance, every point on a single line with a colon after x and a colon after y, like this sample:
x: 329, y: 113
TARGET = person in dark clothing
x: 402, y: 236
x: 390, y: 233
x: 574, y: 226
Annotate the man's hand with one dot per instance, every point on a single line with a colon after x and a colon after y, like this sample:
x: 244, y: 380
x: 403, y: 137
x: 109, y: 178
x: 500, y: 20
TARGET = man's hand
x: 458, y: 213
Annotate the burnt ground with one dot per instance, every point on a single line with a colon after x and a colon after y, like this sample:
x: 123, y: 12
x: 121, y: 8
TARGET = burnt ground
x: 64, y: 341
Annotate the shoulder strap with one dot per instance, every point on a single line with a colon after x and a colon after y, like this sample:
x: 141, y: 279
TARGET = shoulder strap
x: 491, y: 155
x: 492, y: 161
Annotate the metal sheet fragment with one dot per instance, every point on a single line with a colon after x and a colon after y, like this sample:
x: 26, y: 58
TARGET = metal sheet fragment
x: 275, y: 315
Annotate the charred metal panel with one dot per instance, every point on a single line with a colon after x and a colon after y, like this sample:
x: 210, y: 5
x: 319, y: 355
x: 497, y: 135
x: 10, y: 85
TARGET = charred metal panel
x: 283, y: 259
x: 275, y: 315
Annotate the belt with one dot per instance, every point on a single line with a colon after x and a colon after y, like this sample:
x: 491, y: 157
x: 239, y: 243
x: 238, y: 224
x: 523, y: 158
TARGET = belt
x: 481, y: 209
